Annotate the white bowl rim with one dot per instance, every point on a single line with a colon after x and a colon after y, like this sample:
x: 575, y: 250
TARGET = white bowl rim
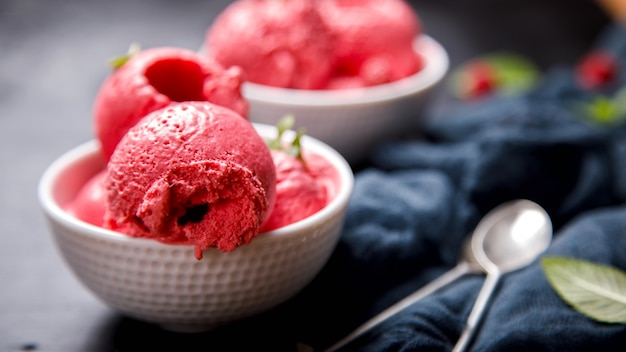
x: 87, y: 149
x: 436, y: 66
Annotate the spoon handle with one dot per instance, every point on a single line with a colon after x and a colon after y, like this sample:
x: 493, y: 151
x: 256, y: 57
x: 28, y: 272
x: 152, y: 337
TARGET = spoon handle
x: 478, y: 310
x: 459, y: 270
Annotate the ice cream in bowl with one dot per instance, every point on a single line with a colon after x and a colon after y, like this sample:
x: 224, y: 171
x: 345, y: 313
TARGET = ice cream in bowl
x: 354, y: 72
x: 197, y: 284
x: 183, y: 213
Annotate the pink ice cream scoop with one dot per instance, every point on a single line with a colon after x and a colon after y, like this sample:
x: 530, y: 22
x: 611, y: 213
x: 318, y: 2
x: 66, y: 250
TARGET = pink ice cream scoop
x: 302, y: 189
x: 374, y: 40
x: 155, y: 78
x: 276, y: 43
x: 191, y: 173
x: 88, y: 205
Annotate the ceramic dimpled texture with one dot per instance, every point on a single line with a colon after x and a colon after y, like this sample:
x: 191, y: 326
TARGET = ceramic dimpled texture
x: 167, y: 285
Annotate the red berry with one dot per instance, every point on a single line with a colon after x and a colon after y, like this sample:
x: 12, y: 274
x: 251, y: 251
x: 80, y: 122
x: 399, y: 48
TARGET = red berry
x: 597, y: 69
x: 478, y: 79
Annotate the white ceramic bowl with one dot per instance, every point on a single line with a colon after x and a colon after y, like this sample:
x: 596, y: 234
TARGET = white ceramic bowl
x: 165, y: 284
x: 354, y: 120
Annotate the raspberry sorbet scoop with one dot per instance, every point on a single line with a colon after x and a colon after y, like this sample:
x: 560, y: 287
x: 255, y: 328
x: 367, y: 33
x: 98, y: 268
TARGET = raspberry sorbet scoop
x: 88, y: 205
x: 191, y: 173
x: 156, y: 77
x: 374, y: 39
x: 301, y: 189
x: 276, y: 43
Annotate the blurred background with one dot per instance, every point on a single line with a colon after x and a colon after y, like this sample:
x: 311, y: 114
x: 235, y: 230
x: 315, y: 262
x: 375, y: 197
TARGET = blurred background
x: 53, y: 58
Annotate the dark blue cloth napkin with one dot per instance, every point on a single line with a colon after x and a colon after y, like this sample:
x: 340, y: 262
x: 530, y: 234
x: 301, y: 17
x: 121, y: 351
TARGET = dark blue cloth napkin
x: 411, y: 210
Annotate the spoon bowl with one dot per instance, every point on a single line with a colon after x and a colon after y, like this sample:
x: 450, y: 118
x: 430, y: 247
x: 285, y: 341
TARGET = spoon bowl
x: 513, y: 237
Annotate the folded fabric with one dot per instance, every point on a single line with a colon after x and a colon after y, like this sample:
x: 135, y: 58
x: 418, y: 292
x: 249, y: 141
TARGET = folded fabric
x: 411, y: 210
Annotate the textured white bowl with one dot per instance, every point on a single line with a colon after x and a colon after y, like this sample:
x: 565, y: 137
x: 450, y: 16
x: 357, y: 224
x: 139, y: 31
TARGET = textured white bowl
x: 165, y: 284
x: 354, y: 120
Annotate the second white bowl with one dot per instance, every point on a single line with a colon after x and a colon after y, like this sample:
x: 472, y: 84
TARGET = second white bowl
x: 354, y: 120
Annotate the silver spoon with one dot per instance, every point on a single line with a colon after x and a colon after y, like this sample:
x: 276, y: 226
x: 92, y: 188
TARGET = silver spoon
x: 511, y: 237
x: 466, y: 265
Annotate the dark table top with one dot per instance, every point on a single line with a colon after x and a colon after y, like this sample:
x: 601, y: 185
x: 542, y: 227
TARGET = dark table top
x: 52, y: 62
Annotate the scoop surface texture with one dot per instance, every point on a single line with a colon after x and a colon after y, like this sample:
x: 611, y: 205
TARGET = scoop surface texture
x: 276, y: 43
x: 192, y: 173
x: 373, y: 40
x: 301, y: 189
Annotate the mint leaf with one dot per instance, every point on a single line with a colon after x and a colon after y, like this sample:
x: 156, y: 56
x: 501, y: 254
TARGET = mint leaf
x: 294, y: 148
x: 606, y: 110
x: 516, y: 74
x: 119, y: 61
x: 602, y: 110
x: 284, y: 124
x: 595, y: 290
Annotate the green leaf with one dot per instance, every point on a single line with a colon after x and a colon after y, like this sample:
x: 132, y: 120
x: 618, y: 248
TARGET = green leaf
x: 605, y: 110
x: 284, y: 124
x: 294, y: 148
x: 516, y: 74
x: 119, y: 61
x: 595, y: 290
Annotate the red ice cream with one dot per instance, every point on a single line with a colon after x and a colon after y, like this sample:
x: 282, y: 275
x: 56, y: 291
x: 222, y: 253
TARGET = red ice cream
x: 276, y: 43
x: 88, y: 205
x: 302, y: 189
x: 155, y: 78
x: 374, y: 40
x: 192, y: 173
x: 326, y: 44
